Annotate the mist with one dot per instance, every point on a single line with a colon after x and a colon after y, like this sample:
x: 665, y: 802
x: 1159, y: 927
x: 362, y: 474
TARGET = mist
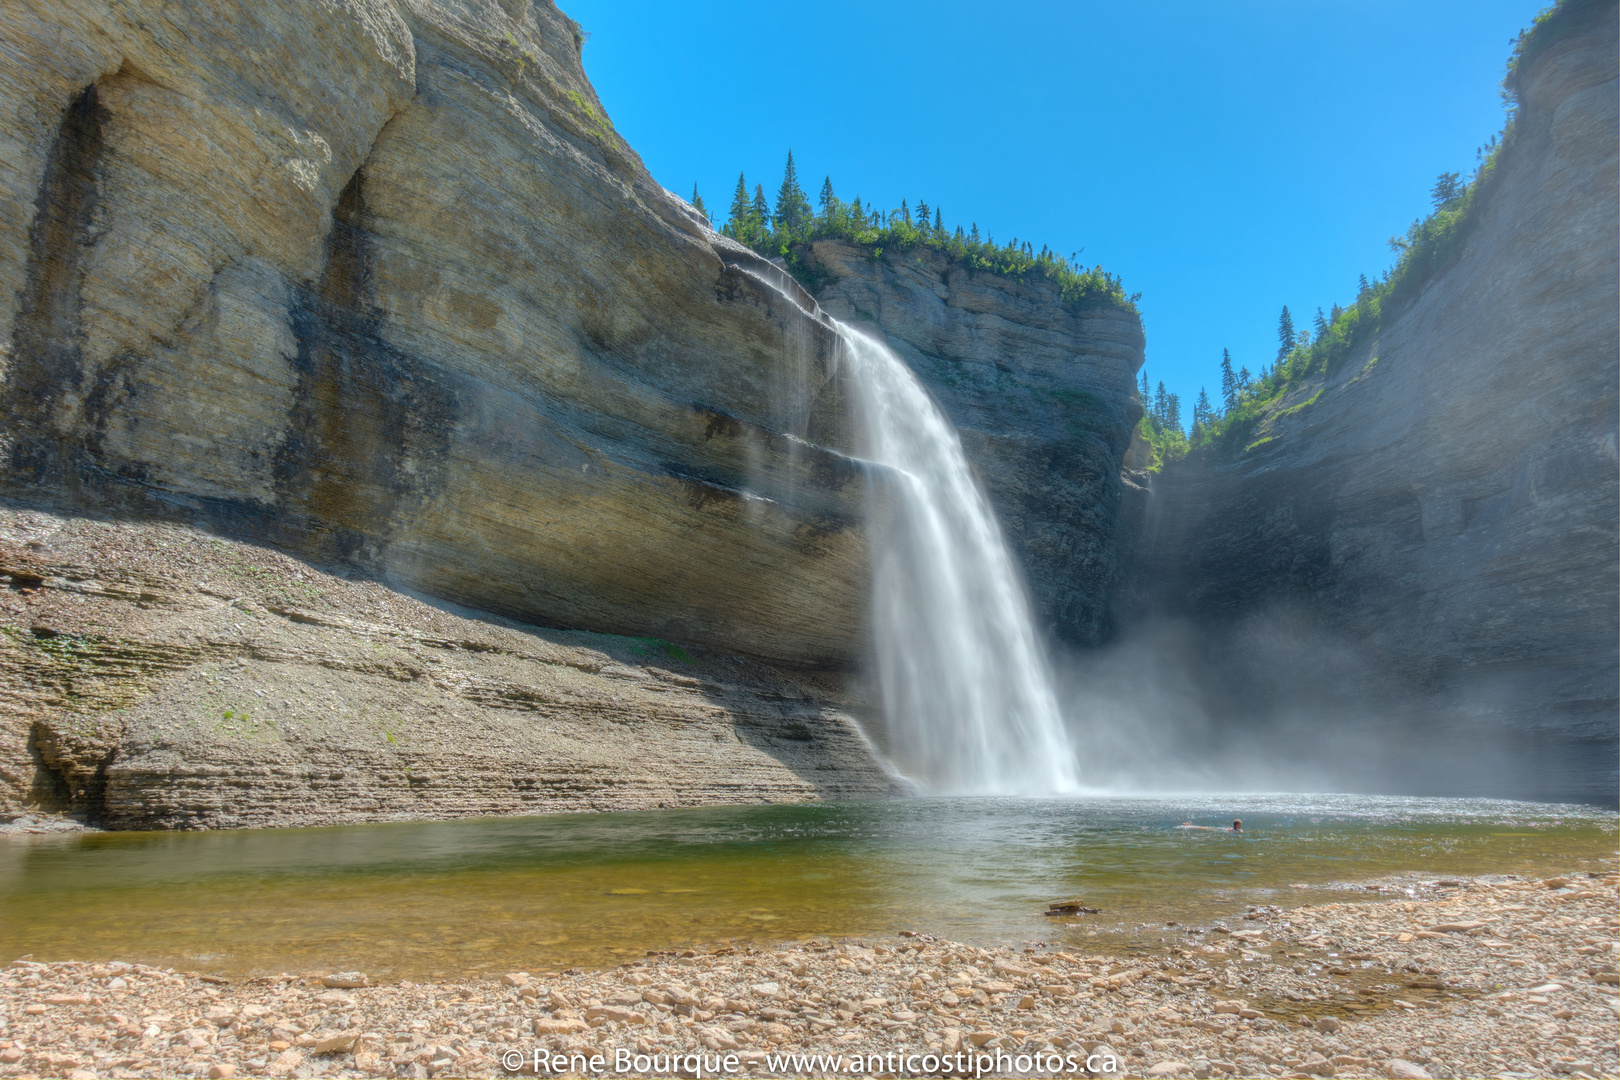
x: 1276, y: 702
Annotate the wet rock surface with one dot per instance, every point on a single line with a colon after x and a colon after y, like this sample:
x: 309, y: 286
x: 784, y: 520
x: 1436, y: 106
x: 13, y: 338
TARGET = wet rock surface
x: 1484, y: 977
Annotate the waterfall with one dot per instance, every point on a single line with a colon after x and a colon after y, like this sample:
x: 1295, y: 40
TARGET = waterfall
x: 966, y: 693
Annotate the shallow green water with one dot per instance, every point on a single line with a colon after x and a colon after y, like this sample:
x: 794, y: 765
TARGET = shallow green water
x: 423, y: 898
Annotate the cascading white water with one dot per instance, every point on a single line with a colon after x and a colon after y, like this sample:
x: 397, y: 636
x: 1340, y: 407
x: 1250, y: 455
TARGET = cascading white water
x: 967, y: 696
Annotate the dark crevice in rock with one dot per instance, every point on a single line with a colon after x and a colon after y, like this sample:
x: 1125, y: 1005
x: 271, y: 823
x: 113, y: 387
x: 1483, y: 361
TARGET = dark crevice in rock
x: 369, y: 424
x: 45, y: 388
x: 72, y: 767
x: 48, y: 789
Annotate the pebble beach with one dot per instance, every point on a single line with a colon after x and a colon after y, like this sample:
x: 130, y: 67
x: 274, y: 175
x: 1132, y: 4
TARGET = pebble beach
x: 1497, y: 977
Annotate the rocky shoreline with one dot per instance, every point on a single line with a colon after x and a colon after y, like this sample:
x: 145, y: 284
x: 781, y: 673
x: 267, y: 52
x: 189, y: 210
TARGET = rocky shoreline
x: 1489, y: 976
x: 144, y: 663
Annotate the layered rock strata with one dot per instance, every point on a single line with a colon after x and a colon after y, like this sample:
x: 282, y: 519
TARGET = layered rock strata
x: 1042, y: 393
x: 1435, y: 520
x: 155, y: 677
x: 377, y: 282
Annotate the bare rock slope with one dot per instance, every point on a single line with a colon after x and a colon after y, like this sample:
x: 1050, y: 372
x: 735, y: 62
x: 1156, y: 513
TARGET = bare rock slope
x: 1438, y: 516
x: 155, y: 677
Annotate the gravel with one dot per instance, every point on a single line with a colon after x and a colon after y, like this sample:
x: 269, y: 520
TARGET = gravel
x: 1483, y: 977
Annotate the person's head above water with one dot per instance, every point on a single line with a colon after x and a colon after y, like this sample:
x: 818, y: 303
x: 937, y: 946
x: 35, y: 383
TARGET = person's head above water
x: 1237, y: 825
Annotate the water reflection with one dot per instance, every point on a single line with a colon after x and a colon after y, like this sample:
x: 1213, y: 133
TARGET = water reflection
x: 411, y: 899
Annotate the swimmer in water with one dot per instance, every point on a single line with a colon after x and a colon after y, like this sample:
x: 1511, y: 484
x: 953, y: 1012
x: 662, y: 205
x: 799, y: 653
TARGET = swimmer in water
x: 1237, y: 826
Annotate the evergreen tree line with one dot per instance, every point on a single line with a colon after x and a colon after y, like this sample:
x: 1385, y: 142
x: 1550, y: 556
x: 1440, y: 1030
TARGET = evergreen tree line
x: 783, y: 229
x: 1302, y: 352
x: 1239, y: 388
x: 1426, y: 246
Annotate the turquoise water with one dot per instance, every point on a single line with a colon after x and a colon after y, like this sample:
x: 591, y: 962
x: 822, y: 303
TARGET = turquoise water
x: 464, y: 897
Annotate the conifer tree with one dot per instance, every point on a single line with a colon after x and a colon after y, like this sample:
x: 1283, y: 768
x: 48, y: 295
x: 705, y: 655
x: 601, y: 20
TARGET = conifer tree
x: 922, y: 213
x: 1321, y: 325
x: 1203, y: 413
x: 792, y: 204
x: 740, y: 209
x: 857, y: 212
x: 1172, y: 412
x: 1447, y: 190
x: 975, y: 233
x: 1147, y: 394
x: 1161, y: 405
x: 760, y: 212
x: 1229, y: 381
x: 1285, y: 333
x: 826, y: 198
x: 939, y: 221
x: 1245, y: 380
x: 905, y: 212
x: 1361, y: 285
x: 697, y: 203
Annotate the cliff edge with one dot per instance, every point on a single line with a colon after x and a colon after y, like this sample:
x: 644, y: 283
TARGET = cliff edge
x: 378, y: 285
x: 1438, y: 513
x: 1042, y: 393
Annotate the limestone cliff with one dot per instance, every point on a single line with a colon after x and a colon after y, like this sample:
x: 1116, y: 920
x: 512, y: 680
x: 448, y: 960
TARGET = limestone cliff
x: 377, y: 284
x: 1042, y: 394
x: 1438, y: 515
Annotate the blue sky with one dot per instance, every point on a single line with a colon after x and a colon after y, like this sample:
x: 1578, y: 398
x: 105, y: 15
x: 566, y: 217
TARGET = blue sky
x: 1224, y: 159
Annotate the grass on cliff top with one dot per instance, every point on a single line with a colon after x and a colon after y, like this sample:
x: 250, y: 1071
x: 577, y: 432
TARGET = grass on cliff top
x: 787, y: 231
x: 1420, y: 254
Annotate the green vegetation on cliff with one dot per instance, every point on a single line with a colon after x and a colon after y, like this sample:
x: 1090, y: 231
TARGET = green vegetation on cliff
x: 786, y: 232
x: 1160, y: 425
x: 1427, y: 246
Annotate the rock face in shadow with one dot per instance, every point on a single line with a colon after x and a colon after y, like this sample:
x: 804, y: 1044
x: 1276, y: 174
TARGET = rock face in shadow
x: 1442, y: 508
x: 379, y: 284
x: 1043, y: 396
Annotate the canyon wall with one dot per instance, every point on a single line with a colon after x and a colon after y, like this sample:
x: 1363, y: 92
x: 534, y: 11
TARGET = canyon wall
x: 376, y: 284
x: 1042, y: 393
x: 1422, y: 543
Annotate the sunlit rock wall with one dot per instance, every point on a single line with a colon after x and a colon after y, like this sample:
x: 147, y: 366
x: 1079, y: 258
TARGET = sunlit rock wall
x: 152, y: 676
x: 378, y: 283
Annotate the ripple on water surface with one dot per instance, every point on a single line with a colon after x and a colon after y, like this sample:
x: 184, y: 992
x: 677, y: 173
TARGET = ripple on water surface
x: 418, y: 898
